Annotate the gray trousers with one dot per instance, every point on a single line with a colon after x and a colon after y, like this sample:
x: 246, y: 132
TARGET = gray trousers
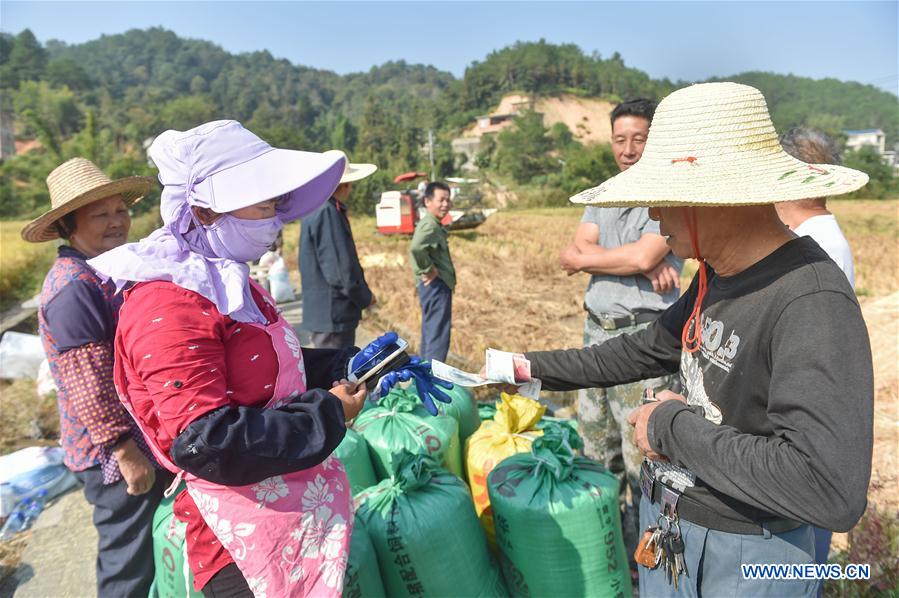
x: 713, y: 561
x: 125, y: 528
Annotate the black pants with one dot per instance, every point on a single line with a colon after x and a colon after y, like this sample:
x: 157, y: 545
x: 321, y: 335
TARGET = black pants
x: 436, y: 301
x: 227, y: 583
x: 125, y: 527
x: 334, y: 340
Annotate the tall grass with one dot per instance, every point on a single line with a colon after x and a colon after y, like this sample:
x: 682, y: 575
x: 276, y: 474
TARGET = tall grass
x: 23, y: 265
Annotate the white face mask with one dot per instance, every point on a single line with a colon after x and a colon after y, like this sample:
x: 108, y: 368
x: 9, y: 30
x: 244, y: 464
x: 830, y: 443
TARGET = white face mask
x: 242, y: 240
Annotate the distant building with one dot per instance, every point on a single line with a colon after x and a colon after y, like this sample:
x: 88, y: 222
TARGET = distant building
x: 510, y: 107
x: 7, y: 136
x: 469, y: 144
x: 857, y: 139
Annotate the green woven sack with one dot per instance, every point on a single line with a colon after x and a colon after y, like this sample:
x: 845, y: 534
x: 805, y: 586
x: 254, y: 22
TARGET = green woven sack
x: 557, y: 521
x: 362, y: 578
x: 463, y: 408
x: 547, y: 420
x: 486, y: 411
x: 426, y: 535
x: 353, y: 452
x: 173, y: 578
x: 398, y: 423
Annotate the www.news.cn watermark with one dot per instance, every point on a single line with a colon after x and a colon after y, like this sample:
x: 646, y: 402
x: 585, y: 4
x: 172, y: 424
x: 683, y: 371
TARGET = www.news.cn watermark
x: 831, y: 571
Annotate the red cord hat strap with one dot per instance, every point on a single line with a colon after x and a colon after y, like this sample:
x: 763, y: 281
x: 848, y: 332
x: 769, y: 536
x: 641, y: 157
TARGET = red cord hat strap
x: 691, y: 340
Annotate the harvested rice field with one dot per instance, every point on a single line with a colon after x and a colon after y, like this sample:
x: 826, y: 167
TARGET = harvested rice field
x: 512, y: 295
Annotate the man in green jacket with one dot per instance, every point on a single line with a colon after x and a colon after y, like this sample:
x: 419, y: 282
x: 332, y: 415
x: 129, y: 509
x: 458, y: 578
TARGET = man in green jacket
x: 433, y: 269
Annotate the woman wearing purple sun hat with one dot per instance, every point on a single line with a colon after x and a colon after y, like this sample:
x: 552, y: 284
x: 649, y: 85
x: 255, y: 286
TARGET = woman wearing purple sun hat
x: 216, y: 378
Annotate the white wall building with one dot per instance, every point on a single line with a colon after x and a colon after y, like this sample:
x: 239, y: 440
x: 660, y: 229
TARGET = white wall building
x: 860, y: 138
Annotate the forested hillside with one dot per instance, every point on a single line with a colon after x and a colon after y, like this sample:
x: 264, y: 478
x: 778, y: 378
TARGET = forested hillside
x: 105, y: 98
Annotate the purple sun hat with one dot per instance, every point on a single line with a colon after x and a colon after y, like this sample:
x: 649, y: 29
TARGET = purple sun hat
x: 222, y: 166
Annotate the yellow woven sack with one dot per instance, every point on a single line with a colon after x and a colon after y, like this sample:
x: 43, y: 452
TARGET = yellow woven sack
x: 511, y: 431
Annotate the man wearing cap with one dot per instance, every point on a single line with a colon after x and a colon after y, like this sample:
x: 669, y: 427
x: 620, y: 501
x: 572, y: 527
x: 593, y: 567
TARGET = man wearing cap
x: 77, y: 321
x: 774, y: 432
x: 333, y: 283
x: 634, y: 278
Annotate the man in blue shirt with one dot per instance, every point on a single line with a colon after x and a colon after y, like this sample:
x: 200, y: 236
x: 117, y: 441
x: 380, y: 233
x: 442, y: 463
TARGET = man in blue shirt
x: 333, y: 283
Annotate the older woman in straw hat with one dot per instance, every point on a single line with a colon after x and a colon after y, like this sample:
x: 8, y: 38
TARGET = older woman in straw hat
x: 216, y: 377
x: 774, y: 432
x: 77, y: 319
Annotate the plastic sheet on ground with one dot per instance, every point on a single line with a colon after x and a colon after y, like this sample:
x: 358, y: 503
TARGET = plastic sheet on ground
x: 20, y: 355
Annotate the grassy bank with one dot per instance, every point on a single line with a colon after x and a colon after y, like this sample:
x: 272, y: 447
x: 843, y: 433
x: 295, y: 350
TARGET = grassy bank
x: 23, y: 265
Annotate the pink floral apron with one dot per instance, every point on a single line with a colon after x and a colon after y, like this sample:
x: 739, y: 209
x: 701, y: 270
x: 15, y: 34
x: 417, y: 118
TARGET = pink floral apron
x: 289, y: 535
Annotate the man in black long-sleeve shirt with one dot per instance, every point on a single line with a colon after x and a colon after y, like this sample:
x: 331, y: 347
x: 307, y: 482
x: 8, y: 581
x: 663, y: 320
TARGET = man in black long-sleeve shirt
x: 775, y: 431
x: 333, y: 284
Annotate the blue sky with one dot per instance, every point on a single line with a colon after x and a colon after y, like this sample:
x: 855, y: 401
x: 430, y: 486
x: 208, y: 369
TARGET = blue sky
x: 854, y: 41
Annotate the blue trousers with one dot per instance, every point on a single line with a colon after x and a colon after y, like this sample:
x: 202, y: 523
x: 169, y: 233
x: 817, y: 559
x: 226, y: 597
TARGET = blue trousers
x: 436, y: 301
x: 125, y: 528
x: 713, y: 561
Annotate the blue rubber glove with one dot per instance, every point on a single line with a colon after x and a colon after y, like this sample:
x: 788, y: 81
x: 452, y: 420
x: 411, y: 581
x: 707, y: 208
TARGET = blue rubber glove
x: 425, y: 382
x: 371, y: 349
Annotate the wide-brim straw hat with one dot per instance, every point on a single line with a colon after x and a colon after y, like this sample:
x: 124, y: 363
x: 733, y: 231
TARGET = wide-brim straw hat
x: 76, y: 183
x: 356, y: 172
x: 714, y: 144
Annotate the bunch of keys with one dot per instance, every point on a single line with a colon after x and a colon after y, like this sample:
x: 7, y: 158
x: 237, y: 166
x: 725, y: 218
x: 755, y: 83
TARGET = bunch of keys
x: 663, y: 544
x: 649, y: 396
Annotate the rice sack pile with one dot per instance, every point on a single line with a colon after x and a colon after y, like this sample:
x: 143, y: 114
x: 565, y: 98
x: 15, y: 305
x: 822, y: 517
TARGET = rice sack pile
x: 511, y: 431
x: 353, y: 453
x: 557, y: 522
x: 362, y: 578
x: 173, y: 578
x: 400, y: 423
x: 426, y: 534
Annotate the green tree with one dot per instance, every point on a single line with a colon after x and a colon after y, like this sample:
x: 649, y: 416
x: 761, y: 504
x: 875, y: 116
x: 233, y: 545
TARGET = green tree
x: 523, y: 150
x: 52, y: 111
x: 587, y: 166
x: 186, y: 112
x: 486, y: 151
x: 26, y: 60
x: 66, y: 72
x: 882, y: 181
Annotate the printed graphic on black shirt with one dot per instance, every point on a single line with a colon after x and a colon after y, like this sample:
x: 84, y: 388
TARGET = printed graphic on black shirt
x: 715, y: 348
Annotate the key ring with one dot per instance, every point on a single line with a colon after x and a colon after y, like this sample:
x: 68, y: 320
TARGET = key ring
x: 667, y: 526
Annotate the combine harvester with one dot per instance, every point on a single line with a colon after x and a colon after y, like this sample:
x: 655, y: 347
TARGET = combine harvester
x: 397, y: 212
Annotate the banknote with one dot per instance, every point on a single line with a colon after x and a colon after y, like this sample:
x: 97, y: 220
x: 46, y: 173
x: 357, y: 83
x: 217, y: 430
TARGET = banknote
x: 511, y: 368
x: 456, y: 376
x: 530, y: 389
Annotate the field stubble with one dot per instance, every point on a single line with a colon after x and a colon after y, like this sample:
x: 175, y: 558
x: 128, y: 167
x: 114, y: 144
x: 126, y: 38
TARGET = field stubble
x: 512, y: 295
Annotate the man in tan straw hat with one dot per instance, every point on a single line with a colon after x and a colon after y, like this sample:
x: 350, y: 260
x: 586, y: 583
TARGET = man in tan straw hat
x: 77, y: 316
x: 774, y: 431
x: 333, y: 284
